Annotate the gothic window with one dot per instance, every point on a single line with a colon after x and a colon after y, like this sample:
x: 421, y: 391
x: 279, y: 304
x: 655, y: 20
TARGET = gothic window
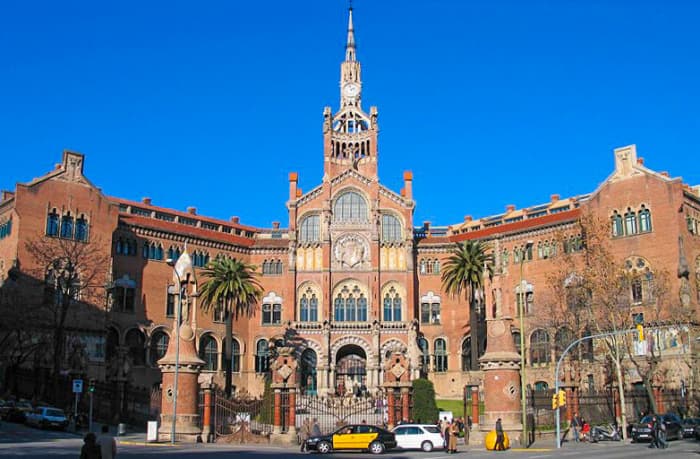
x: 425, y: 357
x: 171, y: 301
x: 504, y: 258
x: 539, y: 348
x: 640, y: 279
x: 630, y: 222
x: 644, y: 220
x: 310, y: 229
x: 541, y: 386
x: 272, y: 309
x: 516, y: 340
x: 309, y: 362
x: 52, y: 223
x: 350, y: 207
x: 616, y: 221
x: 308, y: 306
x: 467, y: 354
x: 209, y: 352
x: 350, y: 305
x: 430, y: 309
x: 262, y: 356
x: 135, y: 344
x: 152, y: 251
x: 573, y: 244
x: 5, y: 229
x: 391, y: 228
x: 587, y: 347
x: 174, y: 253
x: 235, y: 356
x: 81, y: 229
x: 440, y: 355
x: 272, y: 267
x: 423, y: 266
x: 200, y: 259
x: 159, y: 346
x: 67, y: 226
x: 392, y: 306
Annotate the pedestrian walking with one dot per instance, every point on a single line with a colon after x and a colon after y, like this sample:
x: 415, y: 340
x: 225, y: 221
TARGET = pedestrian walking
x: 445, y: 429
x: 575, y: 426
x: 315, y: 428
x: 305, y: 433
x: 454, y: 430
x: 500, y: 437
x: 90, y: 450
x: 107, y: 443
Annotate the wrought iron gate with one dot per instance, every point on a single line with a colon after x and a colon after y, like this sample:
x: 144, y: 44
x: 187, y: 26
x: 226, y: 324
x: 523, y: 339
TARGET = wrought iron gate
x: 334, y: 411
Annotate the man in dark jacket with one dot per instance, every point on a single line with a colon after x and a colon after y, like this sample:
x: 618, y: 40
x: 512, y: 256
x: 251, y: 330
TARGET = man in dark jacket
x: 500, y: 446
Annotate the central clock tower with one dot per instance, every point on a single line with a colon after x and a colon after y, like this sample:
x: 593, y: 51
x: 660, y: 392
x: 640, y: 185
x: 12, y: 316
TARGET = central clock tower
x: 350, y: 135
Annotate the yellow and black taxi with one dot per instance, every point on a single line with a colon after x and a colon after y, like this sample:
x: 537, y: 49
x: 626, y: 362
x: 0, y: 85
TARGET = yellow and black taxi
x: 355, y: 436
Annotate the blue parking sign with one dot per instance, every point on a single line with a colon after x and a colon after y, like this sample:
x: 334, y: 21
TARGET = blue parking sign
x: 77, y: 386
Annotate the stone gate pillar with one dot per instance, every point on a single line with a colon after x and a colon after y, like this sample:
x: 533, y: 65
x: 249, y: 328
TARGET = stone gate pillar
x: 206, y: 383
x: 501, y: 366
x: 285, y: 383
x: 398, y: 376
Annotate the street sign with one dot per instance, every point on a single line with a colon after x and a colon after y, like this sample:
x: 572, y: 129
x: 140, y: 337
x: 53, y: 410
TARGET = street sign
x: 77, y: 386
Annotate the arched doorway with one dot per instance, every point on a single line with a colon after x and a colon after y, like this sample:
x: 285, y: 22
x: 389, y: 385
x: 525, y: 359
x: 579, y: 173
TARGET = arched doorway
x: 351, y: 370
x: 308, y: 371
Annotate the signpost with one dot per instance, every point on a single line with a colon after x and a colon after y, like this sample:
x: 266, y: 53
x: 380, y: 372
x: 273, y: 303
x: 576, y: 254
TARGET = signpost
x: 77, y: 390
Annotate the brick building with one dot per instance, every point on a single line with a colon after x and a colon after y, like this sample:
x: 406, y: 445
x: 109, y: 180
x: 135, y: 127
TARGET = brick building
x: 351, y: 275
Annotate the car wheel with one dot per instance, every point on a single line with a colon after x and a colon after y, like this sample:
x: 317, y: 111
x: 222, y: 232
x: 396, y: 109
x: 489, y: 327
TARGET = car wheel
x: 324, y: 447
x: 426, y: 446
x: 376, y: 447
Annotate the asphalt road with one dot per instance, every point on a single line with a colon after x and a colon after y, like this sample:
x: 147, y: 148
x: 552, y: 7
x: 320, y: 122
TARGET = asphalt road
x: 21, y: 441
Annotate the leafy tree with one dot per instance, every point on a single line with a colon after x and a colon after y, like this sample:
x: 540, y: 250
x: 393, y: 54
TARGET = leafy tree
x: 230, y: 283
x: 425, y: 408
x: 463, y: 274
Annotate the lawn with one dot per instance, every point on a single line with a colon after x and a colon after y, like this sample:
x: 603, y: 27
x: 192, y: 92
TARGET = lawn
x: 456, y: 406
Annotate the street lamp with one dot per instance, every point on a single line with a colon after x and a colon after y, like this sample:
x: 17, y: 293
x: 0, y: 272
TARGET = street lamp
x: 521, y: 312
x: 178, y: 312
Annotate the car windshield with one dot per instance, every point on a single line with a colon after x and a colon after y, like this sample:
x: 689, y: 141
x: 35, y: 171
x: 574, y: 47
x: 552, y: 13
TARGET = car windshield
x: 55, y: 413
x: 646, y: 419
x: 431, y: 429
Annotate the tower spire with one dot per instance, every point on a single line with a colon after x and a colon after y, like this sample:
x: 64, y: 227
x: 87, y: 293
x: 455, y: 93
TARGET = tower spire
x: 350, y: 46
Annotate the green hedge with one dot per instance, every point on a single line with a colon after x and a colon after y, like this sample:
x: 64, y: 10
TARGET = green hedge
x: 424, y: 407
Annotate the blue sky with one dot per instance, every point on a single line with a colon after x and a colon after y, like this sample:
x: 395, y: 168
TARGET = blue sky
x: 212, y: 103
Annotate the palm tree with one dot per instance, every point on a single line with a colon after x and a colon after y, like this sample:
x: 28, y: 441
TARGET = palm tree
x: 230, y: 283
x: 464, y: 274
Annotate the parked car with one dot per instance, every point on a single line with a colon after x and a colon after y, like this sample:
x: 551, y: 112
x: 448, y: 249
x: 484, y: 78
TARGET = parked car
x: 357, y: 436
x: 642, y: 431
x: 697, y: 432
x: 16, y: 411
x: 46, y: 417
x: 418, y: 436
x: 689, y: 427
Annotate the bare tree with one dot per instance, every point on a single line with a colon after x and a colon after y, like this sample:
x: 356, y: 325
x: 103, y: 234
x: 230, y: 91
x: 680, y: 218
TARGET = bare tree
x: 72, y: 273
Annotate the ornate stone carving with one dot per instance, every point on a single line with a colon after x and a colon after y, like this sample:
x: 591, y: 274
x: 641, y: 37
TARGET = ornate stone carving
x: 351, y: 251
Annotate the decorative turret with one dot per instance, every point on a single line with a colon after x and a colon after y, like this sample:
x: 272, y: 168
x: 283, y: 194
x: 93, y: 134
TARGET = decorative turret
x: 350, y: 135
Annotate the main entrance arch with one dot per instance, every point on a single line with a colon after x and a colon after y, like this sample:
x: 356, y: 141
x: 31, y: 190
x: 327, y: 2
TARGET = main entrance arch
x: 351, y: 370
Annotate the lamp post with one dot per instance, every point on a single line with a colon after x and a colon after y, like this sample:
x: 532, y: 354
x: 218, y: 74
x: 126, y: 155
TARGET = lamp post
x: 521, y: 312
x: 178, y: 311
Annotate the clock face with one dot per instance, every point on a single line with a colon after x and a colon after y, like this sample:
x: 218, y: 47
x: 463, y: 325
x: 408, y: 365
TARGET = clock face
x: 351, y: 89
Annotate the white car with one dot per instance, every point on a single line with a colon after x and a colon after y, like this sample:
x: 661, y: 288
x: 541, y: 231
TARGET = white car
x: 426, y: 437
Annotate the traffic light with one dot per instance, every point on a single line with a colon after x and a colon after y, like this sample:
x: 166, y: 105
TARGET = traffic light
x: 640, y: 332
x: 555, y: 401
x: 561, y: 398
x: 91, y: 386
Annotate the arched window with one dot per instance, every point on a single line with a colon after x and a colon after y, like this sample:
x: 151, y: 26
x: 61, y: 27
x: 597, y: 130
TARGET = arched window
x: 423, y: 266
x: 272, y: 309
x: 516, y: 340
x: 174, y: 253
x: 52, y: 223
x: 67, y: 226
x: 562, y: 339
x: 587, y: 347
x: 539, y: 348
x: 425, y: 357
x: 350, y: 207
x: 235, y: 356
x: 440, y: 355
x: 391, y: 228
x: 392, y: 306
x: 308, y: 371
x: 209, y: 352
x: 81, y: 229
x: 436, y: 266
x: 616, y: 221
x: 640, y: 279
x: 159, y: 346
x: 630, y: 222
x: 467, y: 354
x: 262, y: 356
x: 350, y: 305
x: 308, y: 306
x: 528, y: 295
x: 135, y: 343
x: 644, y: 220
x: 541, y: 386
x: 310, y: 229
x: 200, y: 259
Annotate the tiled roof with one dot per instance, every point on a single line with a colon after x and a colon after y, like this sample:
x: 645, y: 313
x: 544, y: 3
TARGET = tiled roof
x: 173, y: 227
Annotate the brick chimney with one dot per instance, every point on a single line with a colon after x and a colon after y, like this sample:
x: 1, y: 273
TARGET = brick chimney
x: 293, y: 180
x: 146, y: 201
x: 192, y: 210
x: 554, y: 198
x: 276, y: 225
x: 640, y: 161
x: 510, y: 208
x: 408, y: 185
x: 468, y: 218
x: 235, y: 220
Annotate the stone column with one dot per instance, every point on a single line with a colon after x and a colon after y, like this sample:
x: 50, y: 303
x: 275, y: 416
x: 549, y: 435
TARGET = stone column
x: 206, y: 384
x: 322, y: 381
x: 475, y: 406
